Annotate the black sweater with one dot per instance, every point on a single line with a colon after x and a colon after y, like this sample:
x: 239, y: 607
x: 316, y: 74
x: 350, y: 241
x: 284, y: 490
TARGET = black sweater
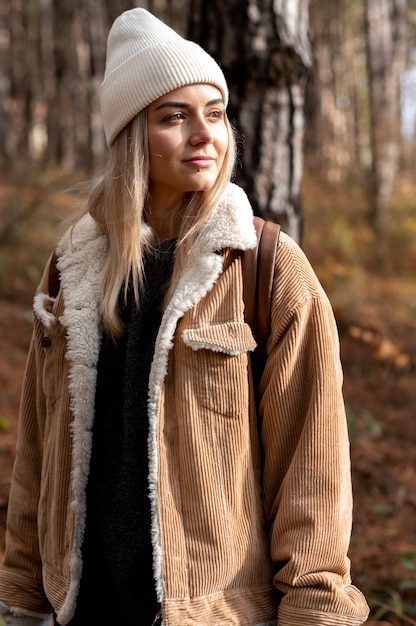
x: 117, y: 547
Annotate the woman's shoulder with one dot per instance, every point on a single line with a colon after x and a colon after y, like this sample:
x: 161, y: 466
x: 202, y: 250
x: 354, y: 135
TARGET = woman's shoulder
x: 79, y: 235
x: 292, y: 259
x: 295, y: 280
x: 82, y: 250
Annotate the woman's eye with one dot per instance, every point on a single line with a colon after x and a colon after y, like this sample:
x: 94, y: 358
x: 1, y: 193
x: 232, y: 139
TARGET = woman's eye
x: 217, y: 114
x: 174, y: 117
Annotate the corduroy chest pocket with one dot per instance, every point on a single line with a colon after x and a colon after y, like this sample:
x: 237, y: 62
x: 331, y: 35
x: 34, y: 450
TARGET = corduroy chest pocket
x: 216, y: 367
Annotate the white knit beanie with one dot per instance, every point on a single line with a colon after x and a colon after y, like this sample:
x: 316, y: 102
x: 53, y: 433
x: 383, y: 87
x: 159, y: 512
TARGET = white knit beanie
x: 145, y: 60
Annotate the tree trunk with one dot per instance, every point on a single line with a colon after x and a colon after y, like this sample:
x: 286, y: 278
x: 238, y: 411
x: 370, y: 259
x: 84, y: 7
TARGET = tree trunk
x: 4, y: 83
x: 265, y: 54
x: 335, y: 147
x: 386, y: 60
x: 20, y: 63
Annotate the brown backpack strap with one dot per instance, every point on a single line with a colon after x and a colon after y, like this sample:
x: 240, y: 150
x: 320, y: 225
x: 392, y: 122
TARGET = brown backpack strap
x: 258, y: 272
x: 54, y: 283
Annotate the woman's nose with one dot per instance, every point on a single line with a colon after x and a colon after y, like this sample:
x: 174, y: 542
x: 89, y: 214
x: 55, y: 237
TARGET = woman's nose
x: 201, y: 131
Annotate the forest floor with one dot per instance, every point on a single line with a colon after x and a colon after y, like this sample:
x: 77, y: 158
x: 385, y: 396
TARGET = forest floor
x: 375, y: 312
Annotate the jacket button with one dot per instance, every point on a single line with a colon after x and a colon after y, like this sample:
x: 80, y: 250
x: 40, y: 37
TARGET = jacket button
x: 46, y: 342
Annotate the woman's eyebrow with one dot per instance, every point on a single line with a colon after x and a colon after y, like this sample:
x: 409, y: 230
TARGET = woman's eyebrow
x: 185, y: 105
x: 169, y: 105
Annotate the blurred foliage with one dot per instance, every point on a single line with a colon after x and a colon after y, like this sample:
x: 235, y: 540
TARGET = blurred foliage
x: 34, y: 208
x: 345, y: 251
x: 363, y: 425
x: 4, y: 425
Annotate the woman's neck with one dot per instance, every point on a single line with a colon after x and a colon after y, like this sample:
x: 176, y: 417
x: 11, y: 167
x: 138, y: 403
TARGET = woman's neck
x: 165, y: 222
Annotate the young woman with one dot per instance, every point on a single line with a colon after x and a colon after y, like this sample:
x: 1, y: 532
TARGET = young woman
x: 147, y: 488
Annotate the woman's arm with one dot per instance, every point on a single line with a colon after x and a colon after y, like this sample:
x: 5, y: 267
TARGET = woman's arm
x: 21, y: 584
x: 307, y: 479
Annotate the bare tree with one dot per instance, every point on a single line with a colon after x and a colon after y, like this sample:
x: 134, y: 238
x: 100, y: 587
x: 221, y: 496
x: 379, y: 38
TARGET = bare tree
x: 17, y: 73
x: 71, y: 34
x: 386, y: 23
x: 4, y: 83
x: 265, y: 53
x: 336, y: 137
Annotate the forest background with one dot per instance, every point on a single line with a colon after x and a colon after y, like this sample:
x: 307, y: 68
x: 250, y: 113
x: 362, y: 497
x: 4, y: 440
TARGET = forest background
x: 323, y: 94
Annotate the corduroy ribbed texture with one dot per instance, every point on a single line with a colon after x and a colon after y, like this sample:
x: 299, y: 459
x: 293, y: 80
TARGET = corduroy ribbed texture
x: 145, y: 60
x: 227, y: 548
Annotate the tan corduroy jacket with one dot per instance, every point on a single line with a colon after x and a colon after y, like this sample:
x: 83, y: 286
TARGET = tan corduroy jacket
x: 243, y: 533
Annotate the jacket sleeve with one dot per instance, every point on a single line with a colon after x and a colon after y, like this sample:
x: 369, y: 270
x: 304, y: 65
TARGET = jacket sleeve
x: 307, y: 478
x: 21, y: 572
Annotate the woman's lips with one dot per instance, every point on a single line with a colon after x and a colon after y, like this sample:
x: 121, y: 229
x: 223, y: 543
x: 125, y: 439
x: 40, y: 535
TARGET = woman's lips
x: 200, y: 161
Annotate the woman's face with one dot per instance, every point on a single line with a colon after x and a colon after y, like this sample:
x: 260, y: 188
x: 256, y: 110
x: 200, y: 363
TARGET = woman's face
x: 188, y: 139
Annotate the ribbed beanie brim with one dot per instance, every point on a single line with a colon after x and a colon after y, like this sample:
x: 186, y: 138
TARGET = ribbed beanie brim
x: 145, y: 60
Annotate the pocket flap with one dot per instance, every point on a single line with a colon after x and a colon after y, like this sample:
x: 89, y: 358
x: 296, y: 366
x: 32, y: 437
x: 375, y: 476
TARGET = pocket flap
x: 230, y: 337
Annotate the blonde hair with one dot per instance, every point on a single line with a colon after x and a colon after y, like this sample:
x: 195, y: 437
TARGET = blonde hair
x: 117, y: 203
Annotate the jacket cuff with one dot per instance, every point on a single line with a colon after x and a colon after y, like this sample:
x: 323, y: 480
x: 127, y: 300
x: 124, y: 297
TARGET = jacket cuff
x: 18, y: 617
